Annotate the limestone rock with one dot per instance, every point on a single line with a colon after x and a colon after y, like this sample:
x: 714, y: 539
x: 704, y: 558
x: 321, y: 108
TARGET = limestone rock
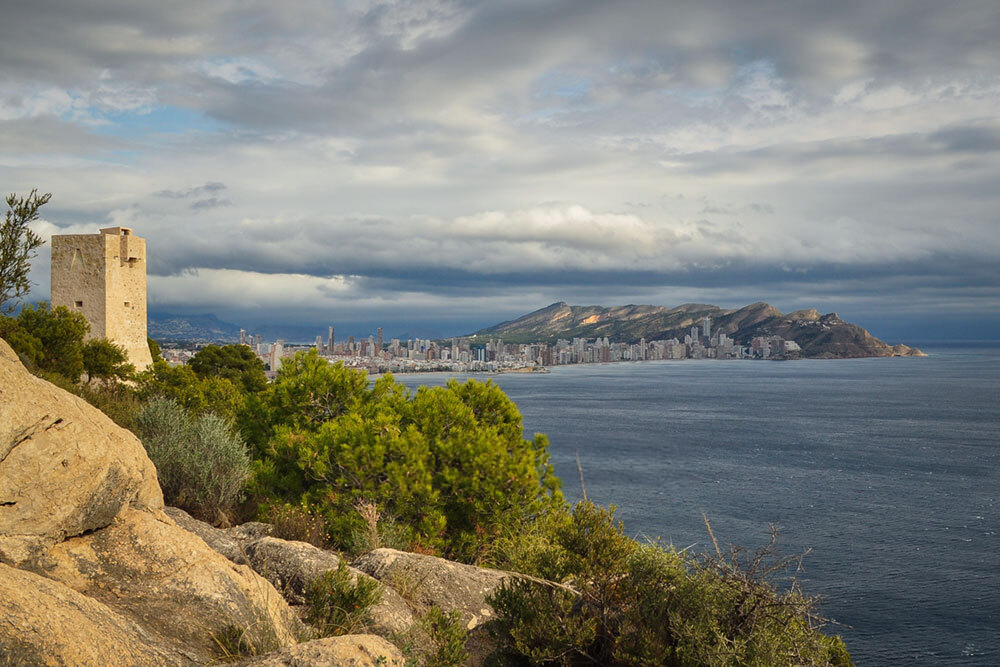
x: 171, y: 583
x: 250, y: 531
x: 432, y: 581
x: 293, y: 566
x: 218, y: 539
x: 345, y: 651
x: 65, y: 468
x: 47, y: 623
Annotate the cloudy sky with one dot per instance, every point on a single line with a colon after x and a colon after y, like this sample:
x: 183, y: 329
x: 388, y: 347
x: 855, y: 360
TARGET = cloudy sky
x: 440, y: 166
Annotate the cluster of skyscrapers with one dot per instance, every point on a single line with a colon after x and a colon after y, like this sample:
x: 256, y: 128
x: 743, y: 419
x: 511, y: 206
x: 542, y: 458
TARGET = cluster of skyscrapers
x: 473, y: 354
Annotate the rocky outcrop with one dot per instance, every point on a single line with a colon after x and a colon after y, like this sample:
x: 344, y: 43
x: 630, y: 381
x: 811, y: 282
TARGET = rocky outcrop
x: 168, y: 580
x: 346, y: 651
x: 250, y: 531
x: 431, y: 581
x: 221, y: 541
x: 65, y: 468
x: 293, y: 566
x: 47, y: 623
x: 80, y: 506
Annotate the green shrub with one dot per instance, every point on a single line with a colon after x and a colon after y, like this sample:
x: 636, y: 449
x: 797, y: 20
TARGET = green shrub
x: 377, y: 531
x: 202, y: 465
x: 237, y: 363
x: 196, y: 394
x: 238, y: 642
x: 339, y: 602
x: 117, y: 401
x: 52, y: 338
x: 294, y: 523
x: 105, y: 360
x: 27, y: 347
x: 618, y: 602
x: 437, y: 639
x: 446, y: 638
x: 154, y: 349
x: 449, y: 463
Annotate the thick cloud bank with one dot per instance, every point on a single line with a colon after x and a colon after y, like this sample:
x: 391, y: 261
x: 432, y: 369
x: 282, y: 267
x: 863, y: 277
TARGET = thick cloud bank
x: 391, y: 162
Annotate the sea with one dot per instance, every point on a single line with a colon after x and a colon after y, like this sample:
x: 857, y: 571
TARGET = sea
x: 887, y: 471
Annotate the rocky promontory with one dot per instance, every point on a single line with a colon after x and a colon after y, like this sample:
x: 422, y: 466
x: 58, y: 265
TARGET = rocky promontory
x: 818, y: 336
x: 95, y: 570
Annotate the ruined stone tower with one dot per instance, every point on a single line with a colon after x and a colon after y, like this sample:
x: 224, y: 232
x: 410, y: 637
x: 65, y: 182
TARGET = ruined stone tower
x: 103, y: 276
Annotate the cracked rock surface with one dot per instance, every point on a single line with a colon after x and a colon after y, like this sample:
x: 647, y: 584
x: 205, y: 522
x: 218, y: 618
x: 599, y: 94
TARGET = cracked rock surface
x: 65, y: 467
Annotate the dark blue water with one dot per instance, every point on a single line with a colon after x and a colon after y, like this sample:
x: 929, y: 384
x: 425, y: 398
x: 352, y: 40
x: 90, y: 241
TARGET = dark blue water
x: 888, y: 469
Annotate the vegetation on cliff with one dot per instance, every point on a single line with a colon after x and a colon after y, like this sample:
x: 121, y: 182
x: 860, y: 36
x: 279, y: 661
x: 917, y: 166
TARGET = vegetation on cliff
x: 448, y: 464
x: 600, y: 597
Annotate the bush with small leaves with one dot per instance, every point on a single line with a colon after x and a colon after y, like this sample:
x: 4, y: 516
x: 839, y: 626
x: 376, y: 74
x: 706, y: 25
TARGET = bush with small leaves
x: 202, y: 464
x: 59, y: 332
x: 450, y: 464
x: 339, y: 601
x: 289, y: 522
x: 238, y: 642
x: 613, y: 601
x: 446, y: 638
x: 104, y: 360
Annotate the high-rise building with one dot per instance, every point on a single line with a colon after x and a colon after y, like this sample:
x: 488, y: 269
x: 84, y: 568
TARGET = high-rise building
x: 706, y: 327
x: 276, y: 351
x: 319, y: 344
x: 243, y: 336
x: 103, y: 277
x: 379, y: 340
x: 330, y: 340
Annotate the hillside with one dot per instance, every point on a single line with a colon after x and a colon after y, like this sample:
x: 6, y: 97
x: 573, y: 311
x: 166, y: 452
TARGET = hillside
x: 199, y: 328
x: 819, y: 336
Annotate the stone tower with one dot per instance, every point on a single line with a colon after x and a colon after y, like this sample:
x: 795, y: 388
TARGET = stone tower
x: 103, y: 276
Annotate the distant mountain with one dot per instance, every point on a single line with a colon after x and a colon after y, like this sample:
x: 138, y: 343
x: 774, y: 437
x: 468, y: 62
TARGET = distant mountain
x: 819, y: 336
x: 194, y: 328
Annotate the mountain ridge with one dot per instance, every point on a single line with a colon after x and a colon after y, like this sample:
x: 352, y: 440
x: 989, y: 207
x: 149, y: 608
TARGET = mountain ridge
x: 819, y: 336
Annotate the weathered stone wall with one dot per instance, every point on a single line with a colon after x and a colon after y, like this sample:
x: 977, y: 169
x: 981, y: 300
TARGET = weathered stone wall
x: 126, y: 298
x: 78, y: 271
x: 103, y: 276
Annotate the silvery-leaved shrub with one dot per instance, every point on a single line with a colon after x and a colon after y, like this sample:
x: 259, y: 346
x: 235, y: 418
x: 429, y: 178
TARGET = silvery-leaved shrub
x: 202, y: 464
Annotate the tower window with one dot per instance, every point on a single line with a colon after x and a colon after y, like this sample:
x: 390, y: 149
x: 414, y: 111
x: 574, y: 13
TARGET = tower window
x: 79, y: 304
x: 128, y: 305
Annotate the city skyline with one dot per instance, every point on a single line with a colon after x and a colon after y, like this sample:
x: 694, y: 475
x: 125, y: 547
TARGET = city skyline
x: 488, y: 354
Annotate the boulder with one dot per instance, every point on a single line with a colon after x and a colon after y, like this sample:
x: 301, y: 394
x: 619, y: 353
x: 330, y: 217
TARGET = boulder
x: 65, y: 468
x: 219, y: 540
x: 293, y: 566
x: 345, y: 651
x: 429, y: 581
x: 146, y: 568
x: 47, y: 623
x: 250, y: 531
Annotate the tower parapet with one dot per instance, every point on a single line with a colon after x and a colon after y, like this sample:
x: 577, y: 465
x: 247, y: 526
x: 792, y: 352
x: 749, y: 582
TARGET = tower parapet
x: 103, y: 276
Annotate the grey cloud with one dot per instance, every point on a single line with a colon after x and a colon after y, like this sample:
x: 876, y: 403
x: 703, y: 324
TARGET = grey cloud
x: 212, y: 202
x: 49, y: 135
x: 207, y: 188
x: 977, y: 138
